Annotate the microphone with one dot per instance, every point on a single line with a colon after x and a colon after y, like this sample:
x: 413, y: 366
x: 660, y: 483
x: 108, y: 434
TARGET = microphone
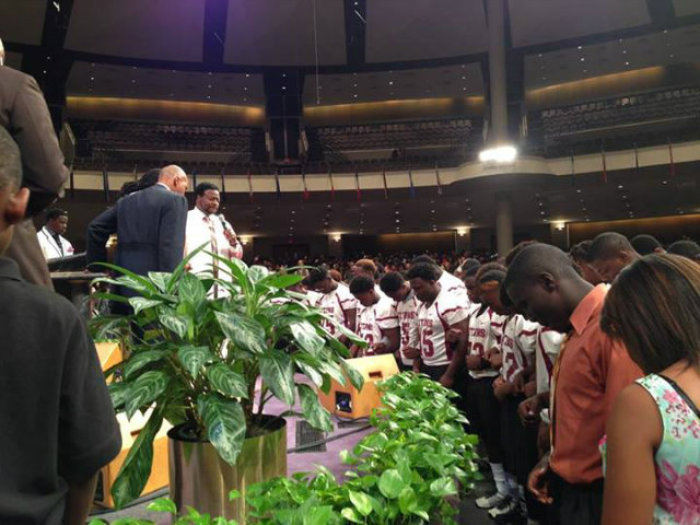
x: 224, y: 224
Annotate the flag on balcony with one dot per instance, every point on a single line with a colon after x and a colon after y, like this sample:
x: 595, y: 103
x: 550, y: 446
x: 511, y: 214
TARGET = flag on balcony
x: 605, y: 165
x: 223, y: 186
x: 357, y: 184
x: 410, y: 184
x: 303, y: 179
x: 386, y: 190
x: 105, y: 183
x: 672, y: 164
x: 251, y: 196
x: 573, y: 168
x: 636, y: 159
x: 437, y: 179
x: 277, y: 184
x: 330, y: 179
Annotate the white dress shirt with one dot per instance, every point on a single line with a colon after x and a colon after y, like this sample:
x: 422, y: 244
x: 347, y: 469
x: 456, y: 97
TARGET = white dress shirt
x: 49, y: 246
x: 200, y: 227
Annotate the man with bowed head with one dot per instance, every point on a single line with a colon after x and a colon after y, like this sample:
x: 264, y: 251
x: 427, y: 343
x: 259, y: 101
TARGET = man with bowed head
x: 590, y: 371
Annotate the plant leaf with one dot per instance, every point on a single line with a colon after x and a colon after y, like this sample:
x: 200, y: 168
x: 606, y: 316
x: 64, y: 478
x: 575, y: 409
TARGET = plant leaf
x: 391, y: 483
x: 163, y: 505
x: 119, y: 393
x: 140, y: 359
x: 257, y: 273
x: 407, y: 500
x: 361, y: 502
x: 243, y: 331
x: 194, y: 357
x: 175, y: 323
x: 145, y: 389
x: 443, y: 487
x: 280, y: 281
x: 136, y: 468
x: 227, y: 381
x: 191, y: 289
x: 141, y: 303
x: 225, y: 423
x: 160, y: 279
x: 351, y: 515
x: 312, y: 409
x: 309, y: 367
x: 278, y: 373
x: 356, y: 378
x: 305, y: 334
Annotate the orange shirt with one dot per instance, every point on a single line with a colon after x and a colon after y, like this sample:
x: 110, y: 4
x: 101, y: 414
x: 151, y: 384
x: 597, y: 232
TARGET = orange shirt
x: 592, y: 370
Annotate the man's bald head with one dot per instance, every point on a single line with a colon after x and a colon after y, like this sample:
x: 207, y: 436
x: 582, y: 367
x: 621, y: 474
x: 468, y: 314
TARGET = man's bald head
x: 174, y: 177
x: 543, y: 284
x: 2, y: 53
x: 609, y: 253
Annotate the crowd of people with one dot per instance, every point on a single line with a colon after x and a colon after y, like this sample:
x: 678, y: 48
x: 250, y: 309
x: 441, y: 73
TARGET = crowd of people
x: 549, y: 360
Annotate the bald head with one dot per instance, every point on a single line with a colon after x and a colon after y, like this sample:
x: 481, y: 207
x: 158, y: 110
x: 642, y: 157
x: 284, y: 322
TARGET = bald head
x: 174, y: 178
x: 2, y: 53
x: 543, y: 285
x: 609, y: 253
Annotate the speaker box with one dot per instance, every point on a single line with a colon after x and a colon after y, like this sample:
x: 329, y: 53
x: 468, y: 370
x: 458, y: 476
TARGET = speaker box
x: 346, y: 401
x: 110, y: 354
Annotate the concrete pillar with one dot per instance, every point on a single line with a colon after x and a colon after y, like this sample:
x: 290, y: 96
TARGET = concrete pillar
x: 497, y: 71
x: 559, y: 234
x: 504, y: 224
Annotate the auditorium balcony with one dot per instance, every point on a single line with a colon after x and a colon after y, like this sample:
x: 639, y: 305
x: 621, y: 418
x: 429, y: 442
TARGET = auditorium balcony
x: 99, y: 140
x: 642, y: 119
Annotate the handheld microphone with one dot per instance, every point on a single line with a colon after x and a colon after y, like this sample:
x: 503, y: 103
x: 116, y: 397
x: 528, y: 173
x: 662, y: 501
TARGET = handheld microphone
x: 224, y: 223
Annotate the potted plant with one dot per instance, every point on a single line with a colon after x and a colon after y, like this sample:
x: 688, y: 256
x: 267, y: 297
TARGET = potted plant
x: 208, y: 366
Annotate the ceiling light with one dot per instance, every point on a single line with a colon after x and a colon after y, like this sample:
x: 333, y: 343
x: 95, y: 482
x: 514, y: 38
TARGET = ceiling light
x: 624, y: 51
x: 245, y: 88
x: 627, y: 63
x: 671, y: 55
x: 664, y: 182
x: 464, y: 78
x: 391, y: 82
x: 133, y: 81
x: 284, y: 88
x: 665, y: 31
x: 354, y: 95
x: 92, y: 78
x: 620, y: 187
x: 499, y: 154
x: 247, y: 75
x: 209, y: 86
x: 580, y: 47
x: 583, y: 59
x: 354, y: 85
x: 578, y: 191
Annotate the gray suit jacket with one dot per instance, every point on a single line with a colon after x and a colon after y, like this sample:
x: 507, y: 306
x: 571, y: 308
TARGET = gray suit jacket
x: 23, y: 112
x: 150, y: 227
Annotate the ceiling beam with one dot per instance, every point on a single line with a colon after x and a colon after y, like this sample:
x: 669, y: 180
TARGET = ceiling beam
x: 355, y: 31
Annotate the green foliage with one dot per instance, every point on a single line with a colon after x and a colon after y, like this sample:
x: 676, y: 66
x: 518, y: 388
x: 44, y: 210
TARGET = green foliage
x: 403, y: 473
x: 165, y: 505
x: 196, y: 359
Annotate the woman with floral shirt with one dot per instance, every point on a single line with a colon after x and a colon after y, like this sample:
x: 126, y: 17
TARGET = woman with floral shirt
x: 653, y: 433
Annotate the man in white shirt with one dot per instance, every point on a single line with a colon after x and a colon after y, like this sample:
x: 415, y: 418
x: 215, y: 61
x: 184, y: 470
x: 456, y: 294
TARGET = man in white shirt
x: 335, y: 301
x: 206, y: 228
x: 406, y: 304
x: 449, y: 283
x: 53, y: 243
x: 439, y: 313
x: 377, y: 322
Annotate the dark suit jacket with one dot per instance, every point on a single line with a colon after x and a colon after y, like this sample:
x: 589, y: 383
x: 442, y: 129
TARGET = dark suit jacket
x: 23, y: 112
x: 150, y: 227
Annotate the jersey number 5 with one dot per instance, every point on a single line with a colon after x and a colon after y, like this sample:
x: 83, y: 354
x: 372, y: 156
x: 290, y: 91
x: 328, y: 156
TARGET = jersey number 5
x: 426, y: 344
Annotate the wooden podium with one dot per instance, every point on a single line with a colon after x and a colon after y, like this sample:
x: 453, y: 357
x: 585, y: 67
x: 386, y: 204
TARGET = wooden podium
x: 110, y: 354
x: 346, y: 401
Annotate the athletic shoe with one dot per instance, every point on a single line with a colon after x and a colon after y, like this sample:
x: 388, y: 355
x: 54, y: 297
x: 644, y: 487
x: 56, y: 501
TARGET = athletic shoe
x: 490, y: 501
x: 505, y: 507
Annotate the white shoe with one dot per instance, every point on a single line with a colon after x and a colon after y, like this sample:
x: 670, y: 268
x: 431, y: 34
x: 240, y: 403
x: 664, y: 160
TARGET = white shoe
x: 490, y: 501
x: 506, y: 506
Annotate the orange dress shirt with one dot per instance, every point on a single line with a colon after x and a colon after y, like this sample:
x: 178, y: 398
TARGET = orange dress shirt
x: 592, y: 370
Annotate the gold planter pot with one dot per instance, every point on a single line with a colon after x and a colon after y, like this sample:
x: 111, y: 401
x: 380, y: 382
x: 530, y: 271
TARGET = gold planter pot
x: 201, y: 479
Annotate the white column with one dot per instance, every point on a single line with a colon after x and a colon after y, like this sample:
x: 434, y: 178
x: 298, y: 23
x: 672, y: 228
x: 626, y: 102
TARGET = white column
x: 498, y: 132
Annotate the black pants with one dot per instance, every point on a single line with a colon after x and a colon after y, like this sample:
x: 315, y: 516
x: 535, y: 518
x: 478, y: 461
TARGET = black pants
x: 484, y: 414
x: 575, y: 504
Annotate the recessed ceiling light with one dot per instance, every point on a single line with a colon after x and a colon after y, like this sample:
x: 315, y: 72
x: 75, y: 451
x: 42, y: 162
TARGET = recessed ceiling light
x: 583, y: 59
x: 133, y: 81
x: 245, y: 88
x: 464, y: 78
x: 580, y: 47
x: 624, y: 51
x: 664, y: 182
x: 209, y: 86
x: 354, y: 95
x: 671, y: 55
x: 620, y: 187
x: 92, y: 78
x: 391, y: 82
x: 284, y: 88
x: 627, y: 63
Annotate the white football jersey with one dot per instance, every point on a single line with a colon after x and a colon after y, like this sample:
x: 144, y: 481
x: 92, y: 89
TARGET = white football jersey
x: 518, y: 345
x: 337, y: 304
x: 433, y: 322
x: 407, y: 312
x: 548, y: 344
x: 372, y: 319
x: 454, y: 286
x: 485, y: 332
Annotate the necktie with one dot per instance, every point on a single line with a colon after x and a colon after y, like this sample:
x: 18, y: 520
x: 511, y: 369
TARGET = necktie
x: 214, y: 245
x: 57, y: 238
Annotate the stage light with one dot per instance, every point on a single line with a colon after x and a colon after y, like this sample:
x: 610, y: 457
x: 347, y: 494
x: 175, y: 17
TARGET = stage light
x: 499, y: 154
x: 462, y: 231
x: 559, y: 226
x: 336, y: 237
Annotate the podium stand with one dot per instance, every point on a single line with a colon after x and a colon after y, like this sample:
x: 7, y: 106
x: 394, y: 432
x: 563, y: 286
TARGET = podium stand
x: 110, y: 354
x: 346, y: 401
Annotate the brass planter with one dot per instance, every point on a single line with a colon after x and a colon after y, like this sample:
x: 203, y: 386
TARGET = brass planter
x: 201, y: 479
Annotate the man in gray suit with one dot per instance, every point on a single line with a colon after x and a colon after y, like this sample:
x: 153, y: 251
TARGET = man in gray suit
x: 24, y: 114
x: 149, y: 223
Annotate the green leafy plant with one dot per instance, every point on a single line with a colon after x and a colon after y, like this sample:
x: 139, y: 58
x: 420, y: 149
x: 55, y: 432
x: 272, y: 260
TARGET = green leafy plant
x: 165, y: 505
x: 409, y: 470
x: 196, y: 360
